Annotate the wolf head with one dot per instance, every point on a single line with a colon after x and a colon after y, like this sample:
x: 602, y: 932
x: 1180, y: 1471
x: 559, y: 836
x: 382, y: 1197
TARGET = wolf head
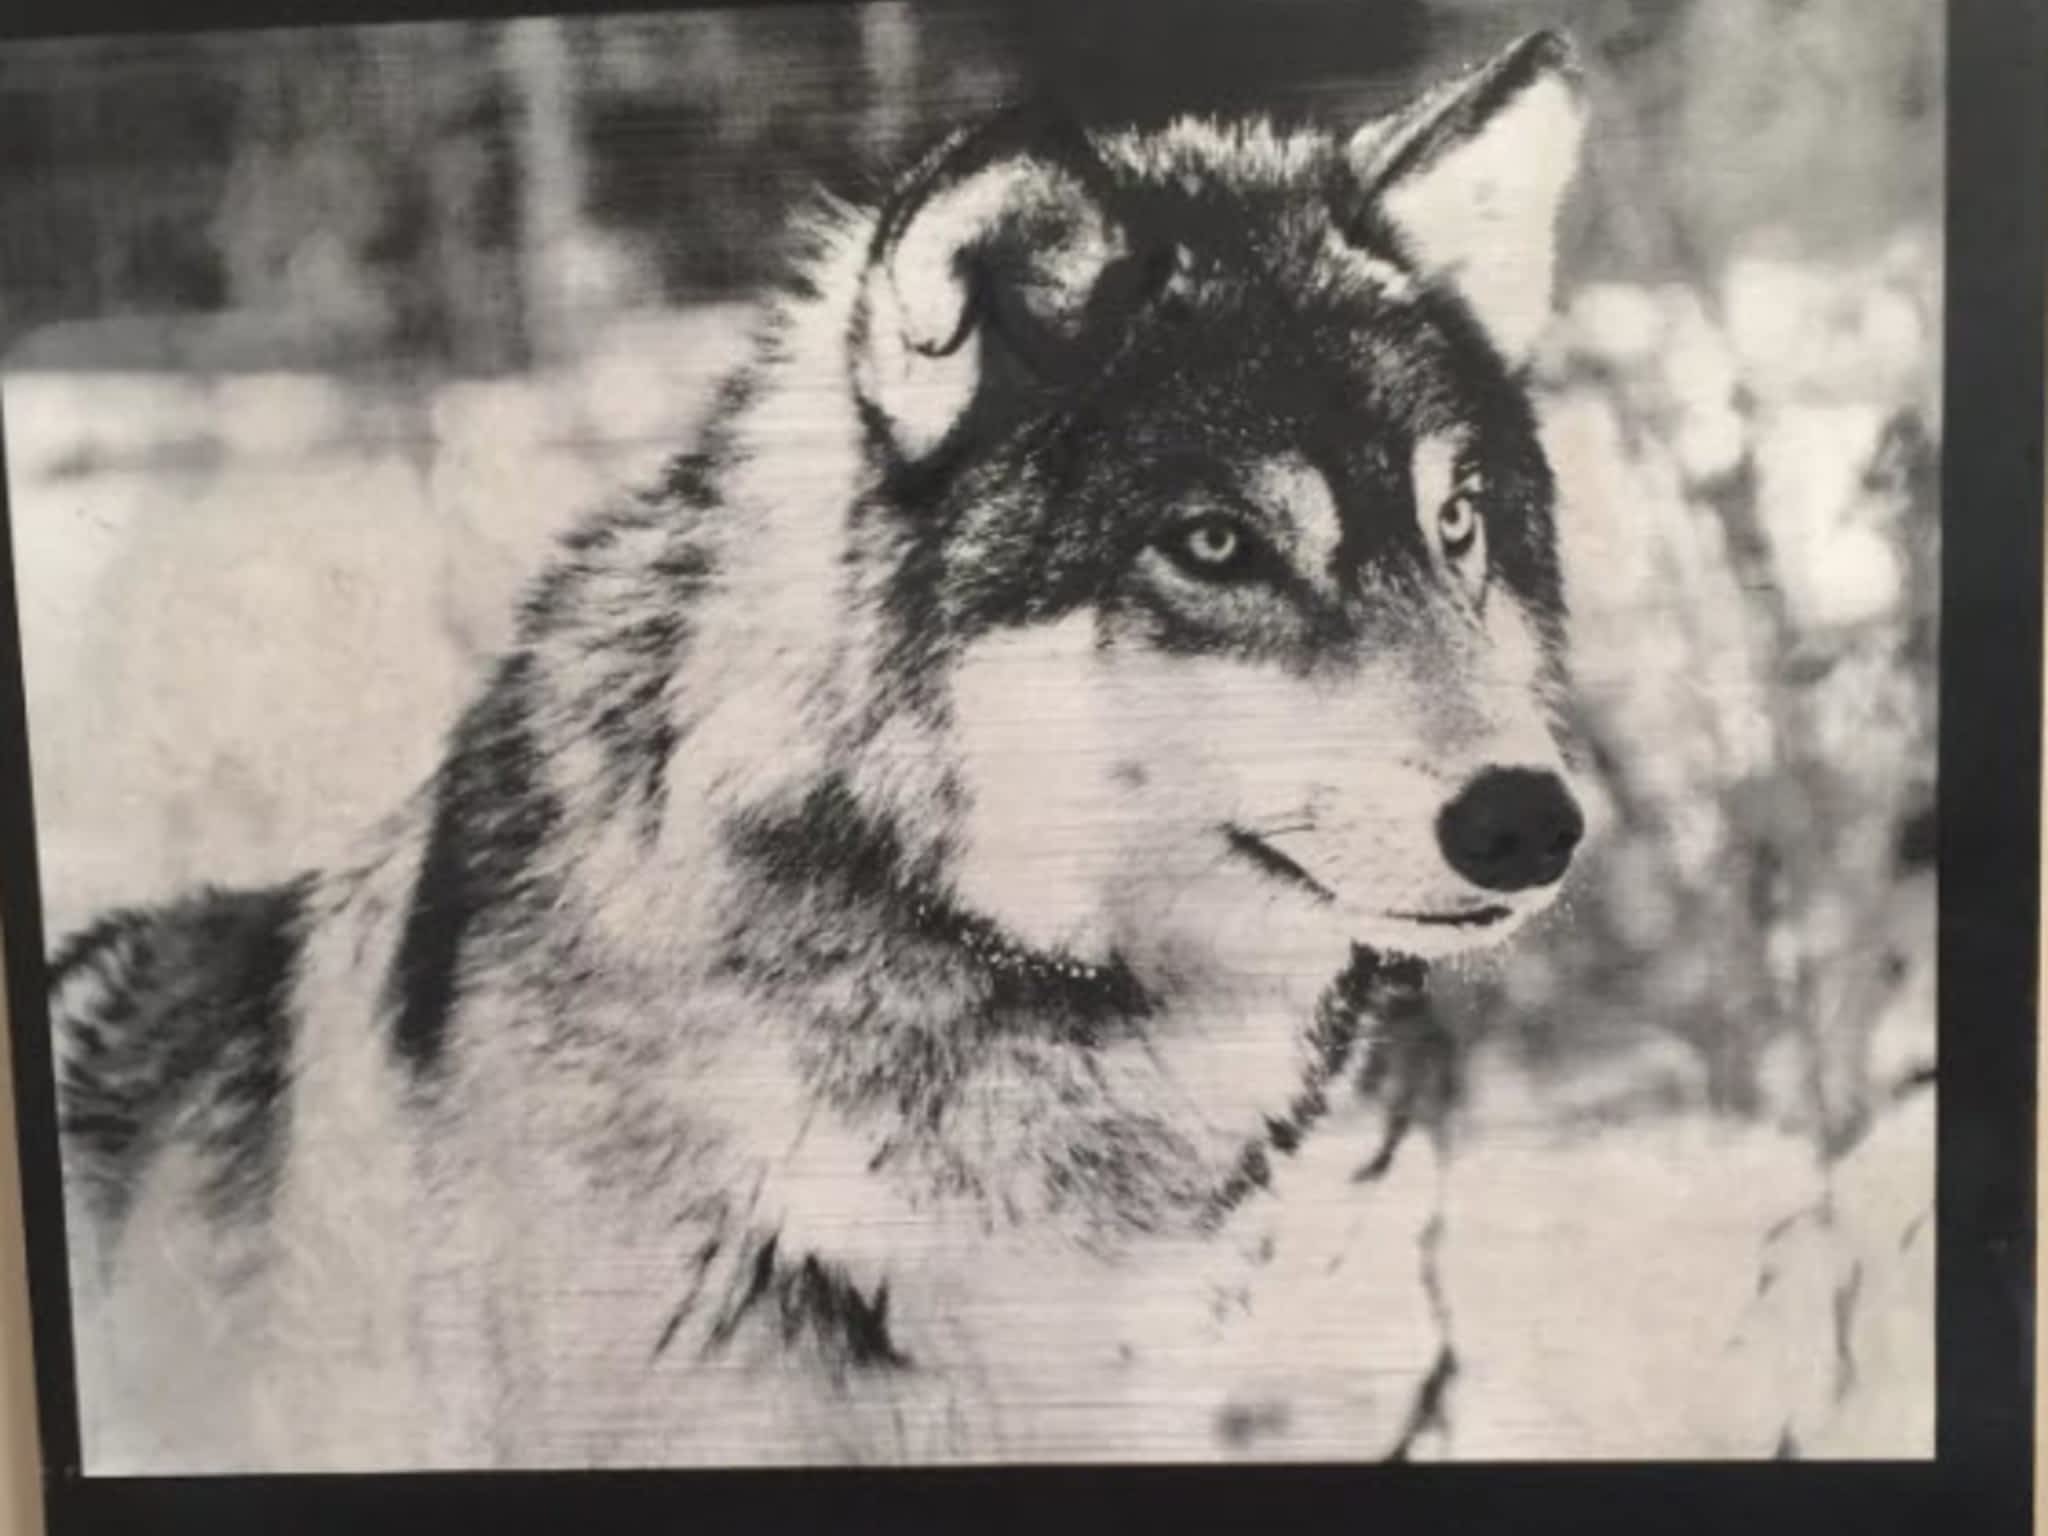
x: 1227, y: 526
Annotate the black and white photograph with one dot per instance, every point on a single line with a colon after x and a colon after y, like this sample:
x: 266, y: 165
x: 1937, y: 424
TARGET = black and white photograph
x: 923, y: 734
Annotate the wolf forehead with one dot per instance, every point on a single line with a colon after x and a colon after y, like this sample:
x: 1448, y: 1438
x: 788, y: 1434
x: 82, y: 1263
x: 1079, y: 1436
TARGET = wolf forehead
x: 1263, y: 258
x: 1247, y: 192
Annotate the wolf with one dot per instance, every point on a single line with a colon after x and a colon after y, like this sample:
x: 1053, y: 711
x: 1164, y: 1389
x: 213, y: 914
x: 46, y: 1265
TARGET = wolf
x: 883, y: 932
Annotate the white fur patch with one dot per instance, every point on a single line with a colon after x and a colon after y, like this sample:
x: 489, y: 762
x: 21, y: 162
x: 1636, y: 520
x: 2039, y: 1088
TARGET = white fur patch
x: 1104, y: 778
x: 1034, y: 726
x: 920, y: 395
x: 1434, y: 470
x: 1292, y: 485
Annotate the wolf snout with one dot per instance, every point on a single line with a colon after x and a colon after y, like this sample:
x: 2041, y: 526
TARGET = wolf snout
x: 1511, y: 829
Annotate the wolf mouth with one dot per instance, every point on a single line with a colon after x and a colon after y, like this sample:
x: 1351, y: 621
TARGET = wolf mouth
x: 1263, y: 855
x: 1476, y: 917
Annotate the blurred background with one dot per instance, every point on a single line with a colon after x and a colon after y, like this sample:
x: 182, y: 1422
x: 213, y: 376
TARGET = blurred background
x: 310, y: 342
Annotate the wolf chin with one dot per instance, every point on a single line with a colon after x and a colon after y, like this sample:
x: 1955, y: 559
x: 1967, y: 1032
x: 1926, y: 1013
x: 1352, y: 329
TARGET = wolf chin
x: 878, y: 939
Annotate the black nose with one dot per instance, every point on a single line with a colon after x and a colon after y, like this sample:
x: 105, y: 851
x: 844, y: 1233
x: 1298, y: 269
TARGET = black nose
x: 1511, y: 829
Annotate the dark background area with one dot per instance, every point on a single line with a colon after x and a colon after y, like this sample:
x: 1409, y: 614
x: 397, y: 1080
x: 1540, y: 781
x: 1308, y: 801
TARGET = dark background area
x: 239, y: 173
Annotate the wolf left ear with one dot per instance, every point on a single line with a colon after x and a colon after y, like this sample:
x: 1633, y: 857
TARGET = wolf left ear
x: 1004, y: 251
x: 1471, y: 177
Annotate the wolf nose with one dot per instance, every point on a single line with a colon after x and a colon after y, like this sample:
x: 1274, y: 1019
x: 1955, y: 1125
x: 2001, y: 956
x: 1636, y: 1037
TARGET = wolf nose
x: 1511, y: 829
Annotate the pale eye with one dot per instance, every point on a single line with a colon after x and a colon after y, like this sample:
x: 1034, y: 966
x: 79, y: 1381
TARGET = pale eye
x: 1213, y: 548
x: 1457, y: 525
x: 1213, y: 542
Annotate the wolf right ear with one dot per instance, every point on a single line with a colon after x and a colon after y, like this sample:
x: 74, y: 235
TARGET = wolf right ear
x: 1007, y: 233
x: 1471, y: 178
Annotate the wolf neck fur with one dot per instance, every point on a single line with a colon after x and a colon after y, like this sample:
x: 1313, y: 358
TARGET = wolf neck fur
x: 946, y: 1047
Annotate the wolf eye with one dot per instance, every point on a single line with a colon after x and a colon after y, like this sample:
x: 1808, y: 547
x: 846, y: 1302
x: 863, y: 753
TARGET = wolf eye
x: 1213, y: 542
x: 1213, y: 547
x: 1457, y: 525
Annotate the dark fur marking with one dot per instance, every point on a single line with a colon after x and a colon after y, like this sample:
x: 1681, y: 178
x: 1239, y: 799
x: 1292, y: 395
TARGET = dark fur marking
x: 660, y: 750
x: 700, y: 1269
x: 670, y: 1329
x: 423, y: 973
x: 1083, y: 996
x: 187, y: 1037
x: 1414, y: 1064
x: 811, y: 1301
x: 1273, y: 862
x: 1371, y: 987
x: 692, y: 479
x: 828, y: 841
x: 490, y: 818
x: 759, y: 1278
x: 833, y: 846
x: 1254, y: 1171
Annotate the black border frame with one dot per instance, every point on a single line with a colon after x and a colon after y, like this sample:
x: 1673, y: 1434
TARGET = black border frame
x: 1989, y: 842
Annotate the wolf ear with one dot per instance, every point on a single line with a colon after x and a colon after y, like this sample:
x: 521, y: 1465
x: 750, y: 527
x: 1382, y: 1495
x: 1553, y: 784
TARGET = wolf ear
x: 1471, y: 177
x: 1003, y: 249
